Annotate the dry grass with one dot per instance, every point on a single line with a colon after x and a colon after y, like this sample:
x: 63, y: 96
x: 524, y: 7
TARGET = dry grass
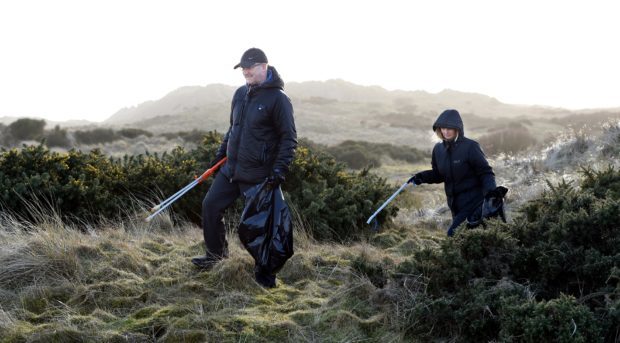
x: 134, y: 281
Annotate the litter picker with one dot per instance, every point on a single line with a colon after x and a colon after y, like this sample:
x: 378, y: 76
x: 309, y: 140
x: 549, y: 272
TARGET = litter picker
x: 164, y: 204
x: 386, y: 203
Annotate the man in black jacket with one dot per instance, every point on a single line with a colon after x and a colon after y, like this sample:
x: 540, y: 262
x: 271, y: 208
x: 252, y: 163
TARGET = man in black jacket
x: 260, y: 144
x: 459, y: 163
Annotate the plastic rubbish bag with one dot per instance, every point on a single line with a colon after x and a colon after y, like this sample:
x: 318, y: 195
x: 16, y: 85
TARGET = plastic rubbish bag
x: 492, y: 207
x: 266, y: 228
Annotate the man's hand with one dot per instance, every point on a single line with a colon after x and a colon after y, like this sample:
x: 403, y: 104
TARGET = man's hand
x: 415, y: 179
x: 276, y: 178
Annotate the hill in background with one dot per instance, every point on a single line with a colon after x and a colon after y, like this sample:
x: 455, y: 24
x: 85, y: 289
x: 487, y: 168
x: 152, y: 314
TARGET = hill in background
x: 332, y: 111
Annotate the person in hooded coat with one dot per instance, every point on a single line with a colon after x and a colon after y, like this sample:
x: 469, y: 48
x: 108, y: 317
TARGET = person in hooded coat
x: 460, y: 164
x: 259, y: 145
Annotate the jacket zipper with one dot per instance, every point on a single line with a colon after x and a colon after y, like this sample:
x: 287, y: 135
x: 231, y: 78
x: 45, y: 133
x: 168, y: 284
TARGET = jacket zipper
x: 451, y: 174
x: 241, y: 122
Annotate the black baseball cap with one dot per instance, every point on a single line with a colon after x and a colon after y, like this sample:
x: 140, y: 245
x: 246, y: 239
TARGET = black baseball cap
x: 251, y: 57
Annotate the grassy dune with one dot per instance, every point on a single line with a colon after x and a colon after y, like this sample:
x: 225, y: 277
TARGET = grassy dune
x: 133, y: 282
x: 129, y: 282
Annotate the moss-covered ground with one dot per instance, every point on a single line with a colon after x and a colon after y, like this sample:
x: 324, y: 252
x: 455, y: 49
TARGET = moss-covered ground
x: 136, y: 284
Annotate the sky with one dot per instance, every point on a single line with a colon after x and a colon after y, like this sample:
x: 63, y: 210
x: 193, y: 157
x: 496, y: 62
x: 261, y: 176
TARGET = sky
x: 62, y: 60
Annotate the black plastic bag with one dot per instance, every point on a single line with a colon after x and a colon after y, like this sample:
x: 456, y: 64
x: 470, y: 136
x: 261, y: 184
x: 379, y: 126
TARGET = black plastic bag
x: 492, y: 207
x: 266, y: 228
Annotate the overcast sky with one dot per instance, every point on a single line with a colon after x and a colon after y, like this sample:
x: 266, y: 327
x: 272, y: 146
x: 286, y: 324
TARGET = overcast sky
x: 87, y: 59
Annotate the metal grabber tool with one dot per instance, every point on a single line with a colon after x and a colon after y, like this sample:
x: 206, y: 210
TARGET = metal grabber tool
x: 375, y: 223
x: 164, y: 204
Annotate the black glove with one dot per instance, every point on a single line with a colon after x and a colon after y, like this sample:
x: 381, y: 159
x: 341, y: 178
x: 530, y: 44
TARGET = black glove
x: 276, y: 178
x: 415, y: 179
x: 493, y: 204
x: 498, y: 193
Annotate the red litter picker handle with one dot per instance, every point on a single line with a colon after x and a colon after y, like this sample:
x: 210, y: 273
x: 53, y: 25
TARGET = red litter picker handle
x: 164, y: 204
x: 211, y: 170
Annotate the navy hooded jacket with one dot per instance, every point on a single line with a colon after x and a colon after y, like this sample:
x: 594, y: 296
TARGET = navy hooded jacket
x: 462, y: 167
x: 262, y: 137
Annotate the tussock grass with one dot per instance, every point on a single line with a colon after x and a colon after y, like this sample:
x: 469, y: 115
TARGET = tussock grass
x: 126, y: 280
x: 132, y: 281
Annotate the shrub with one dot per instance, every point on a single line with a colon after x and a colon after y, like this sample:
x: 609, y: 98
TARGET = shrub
x: 510, y: 140
x: 354, y: 155
x: 361, y: 154
x: 87, y: 186
x: 133, y: 133
x: 471, y: 254
x: 95, y: 136
x: 335, y: 203
x: 558, y: 320
x: 568, y: 241
x: 611, y: 138
x: 471, y: 314
x: 564, y: 246
x: 603, y: 184
x: 91, y: 186
x: 194, y: 136
x: 57, y: 138
x: 487, y: 310
x: 357, y: 159
x: 5, y: 136
x: 27, y: 129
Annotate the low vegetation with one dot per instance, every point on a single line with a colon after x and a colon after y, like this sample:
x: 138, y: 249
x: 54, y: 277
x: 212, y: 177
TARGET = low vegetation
x: 361, y: 154
x: 194, y: 136
x: 512, y: 139
x: 93, y: 187
x: 550, y: 275
x: 23, y: 129
x: 57, y: 138
x: 27, y: 129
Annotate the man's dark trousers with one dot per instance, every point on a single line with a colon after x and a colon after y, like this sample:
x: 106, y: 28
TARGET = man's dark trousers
x: 221, y: 195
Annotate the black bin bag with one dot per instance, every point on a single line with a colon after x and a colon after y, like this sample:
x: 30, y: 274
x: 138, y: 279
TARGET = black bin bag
x: 266, y: 228
x: 493, y: 205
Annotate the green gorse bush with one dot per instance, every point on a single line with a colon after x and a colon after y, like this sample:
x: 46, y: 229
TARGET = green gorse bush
x: 91, y: 186
x: 550, y: 275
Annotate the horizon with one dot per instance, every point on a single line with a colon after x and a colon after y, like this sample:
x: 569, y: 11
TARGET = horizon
x: 70, y: 60
x: 301, y: 82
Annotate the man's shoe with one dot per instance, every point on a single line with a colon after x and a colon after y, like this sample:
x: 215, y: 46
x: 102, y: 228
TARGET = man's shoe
x: 265, y: 280
x: 204, y: 262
